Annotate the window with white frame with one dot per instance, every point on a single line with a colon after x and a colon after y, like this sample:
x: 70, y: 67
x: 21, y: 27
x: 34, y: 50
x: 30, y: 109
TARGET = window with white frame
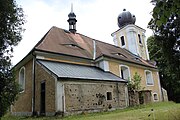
x: 124, y: 72
x: 122, y: 41
x: 22, y: 79
x: 155, y: 96
x: 149, y: 78
x: 140, y: 40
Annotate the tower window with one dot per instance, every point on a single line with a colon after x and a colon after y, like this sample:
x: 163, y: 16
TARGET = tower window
x: 122, y: 41
x: 140, y: 40
x: 109, y: 95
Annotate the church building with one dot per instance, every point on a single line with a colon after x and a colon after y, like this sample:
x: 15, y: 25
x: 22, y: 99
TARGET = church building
x: 69, y: 73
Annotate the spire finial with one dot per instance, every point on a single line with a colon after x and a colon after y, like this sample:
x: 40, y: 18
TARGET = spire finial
x: 71, y: 7
x: 72, y: 20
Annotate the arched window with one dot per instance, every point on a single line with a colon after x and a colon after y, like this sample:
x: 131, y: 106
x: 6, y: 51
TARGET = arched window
x: 140, y: 40
x: 155, y: 96
x: 149, y: 78
x: 122, y: 41
x: 124, y: 72
x: 22, y: 79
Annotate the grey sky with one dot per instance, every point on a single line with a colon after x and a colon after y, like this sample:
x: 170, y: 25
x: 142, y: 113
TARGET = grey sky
x: 95, y: 18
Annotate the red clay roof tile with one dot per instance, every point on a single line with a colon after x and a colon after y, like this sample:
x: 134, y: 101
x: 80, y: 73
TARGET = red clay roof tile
x: 62, y: 41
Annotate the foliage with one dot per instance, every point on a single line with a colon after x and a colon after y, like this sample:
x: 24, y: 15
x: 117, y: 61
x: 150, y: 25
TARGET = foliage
x: 134, y: 84
x: 163, y: 10
x: 9, y: 89
x: 11, y: 21
x: 164, y: 46
x: 169, y: 72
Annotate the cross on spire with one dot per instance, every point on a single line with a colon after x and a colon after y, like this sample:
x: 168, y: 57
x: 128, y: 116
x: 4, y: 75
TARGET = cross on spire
x: 71, y: 7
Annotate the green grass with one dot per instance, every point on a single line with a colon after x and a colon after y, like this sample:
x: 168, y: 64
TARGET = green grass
x: 161, y: 111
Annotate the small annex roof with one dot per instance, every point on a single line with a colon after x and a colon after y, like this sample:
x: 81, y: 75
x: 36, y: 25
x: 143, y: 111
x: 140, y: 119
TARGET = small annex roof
x: 61, y: 41
x: 65, y: 70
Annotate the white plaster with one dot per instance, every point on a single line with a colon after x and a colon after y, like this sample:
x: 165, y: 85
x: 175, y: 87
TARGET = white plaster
x: 94, y: 49
x: 115, y: 40
x: 104, y: 65
x: 159, y: 85
x: 132, y: 46
x: 39, y: 57
x: 60, y: 98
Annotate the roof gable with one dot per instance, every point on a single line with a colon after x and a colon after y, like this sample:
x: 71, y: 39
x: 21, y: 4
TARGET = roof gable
x: 64, y: 42
x: 61, y: 41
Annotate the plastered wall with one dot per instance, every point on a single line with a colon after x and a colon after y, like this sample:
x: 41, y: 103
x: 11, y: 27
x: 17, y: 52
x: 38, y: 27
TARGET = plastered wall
x: 155, y: 88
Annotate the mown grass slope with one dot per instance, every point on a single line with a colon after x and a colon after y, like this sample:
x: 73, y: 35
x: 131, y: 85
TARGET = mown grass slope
x: 154, y: 111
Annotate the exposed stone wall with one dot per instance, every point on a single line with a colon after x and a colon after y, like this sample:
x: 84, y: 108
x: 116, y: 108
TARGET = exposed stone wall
x: 133, y: 98
x: 23, y: 106
x: 44, y: 76
x: 85, y: 96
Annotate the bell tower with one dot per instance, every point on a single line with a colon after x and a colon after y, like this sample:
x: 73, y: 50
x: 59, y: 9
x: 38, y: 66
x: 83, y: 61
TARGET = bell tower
x: 130, y: 36
x: 72, y: 21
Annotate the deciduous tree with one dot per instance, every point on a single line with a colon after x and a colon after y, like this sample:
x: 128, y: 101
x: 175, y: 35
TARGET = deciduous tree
x: 164, y: 46
x: 11, y: 22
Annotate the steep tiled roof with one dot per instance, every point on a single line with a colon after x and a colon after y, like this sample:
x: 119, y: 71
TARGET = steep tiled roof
x: 62, y: 41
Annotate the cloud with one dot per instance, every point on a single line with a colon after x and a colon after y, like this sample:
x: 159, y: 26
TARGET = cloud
x: 95, y: 18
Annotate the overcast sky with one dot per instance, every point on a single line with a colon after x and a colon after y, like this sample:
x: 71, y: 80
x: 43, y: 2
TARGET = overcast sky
x: 95, y: 18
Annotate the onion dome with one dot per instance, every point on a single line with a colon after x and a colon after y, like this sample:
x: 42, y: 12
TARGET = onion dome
x: 72, y: 15
x: 126, y: 18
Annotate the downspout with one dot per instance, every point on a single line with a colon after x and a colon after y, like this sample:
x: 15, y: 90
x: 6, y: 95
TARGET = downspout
x: 94, y: 49
x: 33, y: 85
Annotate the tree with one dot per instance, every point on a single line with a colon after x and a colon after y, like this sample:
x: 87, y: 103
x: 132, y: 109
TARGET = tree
x: 169, y: 73
x: 134, y: 87
x: 134, y: 84
x: 164, y: 46
x: 11, y: 22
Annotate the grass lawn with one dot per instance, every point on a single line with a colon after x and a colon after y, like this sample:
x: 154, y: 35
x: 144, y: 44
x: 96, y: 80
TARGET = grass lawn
x: 161, y: 111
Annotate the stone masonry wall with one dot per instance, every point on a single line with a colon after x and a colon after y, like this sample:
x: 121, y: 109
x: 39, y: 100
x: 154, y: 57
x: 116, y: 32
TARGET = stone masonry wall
x: 85, y: 96
x: 23, y: 106
x: 43, y: 75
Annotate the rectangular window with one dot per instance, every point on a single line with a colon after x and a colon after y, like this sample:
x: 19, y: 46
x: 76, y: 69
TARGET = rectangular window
x: 122, y: 41
x: 149, y: 78
x: 122, y: 74
x: 109, y: 95
x: 140, y: 40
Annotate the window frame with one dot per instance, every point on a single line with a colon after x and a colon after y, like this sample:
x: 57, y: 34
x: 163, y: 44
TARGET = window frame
x: 140, y: 39
x: 22, y: 84
x: 111, y: 95
x: 120, y: 70
x: 123, y: 46
x: 156, y: 96
x: 152, y: 80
